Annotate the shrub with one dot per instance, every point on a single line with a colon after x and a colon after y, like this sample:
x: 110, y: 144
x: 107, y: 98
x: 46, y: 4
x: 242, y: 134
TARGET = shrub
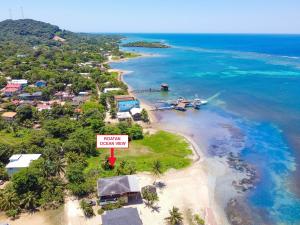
x: 87, y: 209
x: 199, y: 220
x: 100, y: 211
x: 13, y: 213
x: 149, y: 196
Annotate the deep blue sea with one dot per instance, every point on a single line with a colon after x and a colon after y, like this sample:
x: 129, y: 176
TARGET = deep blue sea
x: 253, y: 83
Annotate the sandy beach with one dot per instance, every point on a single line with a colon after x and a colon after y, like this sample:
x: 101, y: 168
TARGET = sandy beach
x: 200, y: 180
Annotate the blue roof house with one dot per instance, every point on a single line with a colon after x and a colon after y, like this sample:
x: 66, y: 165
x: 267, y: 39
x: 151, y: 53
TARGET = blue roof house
x: 125, y: 106
x: 40, y: 83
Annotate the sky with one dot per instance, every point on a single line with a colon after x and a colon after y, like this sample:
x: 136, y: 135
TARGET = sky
x: 161, y: 16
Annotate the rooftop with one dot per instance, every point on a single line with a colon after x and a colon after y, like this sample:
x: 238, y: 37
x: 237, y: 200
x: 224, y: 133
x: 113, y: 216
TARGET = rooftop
x: 19, y: 81
x: 123, y: 97
x: 21, y: 160
x: 13, y: 86
x: 117, y: 185
x: 111, y: 89
x: 134, y: 111
x: 10, y: 89
x: 124, y: 106
x: 9, y: 114
x: 122, y: 216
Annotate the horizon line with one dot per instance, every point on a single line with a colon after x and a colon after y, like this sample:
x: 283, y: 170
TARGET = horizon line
x: 205, y: 33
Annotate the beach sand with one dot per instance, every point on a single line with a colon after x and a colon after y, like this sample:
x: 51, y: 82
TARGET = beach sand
x: 193, y: 188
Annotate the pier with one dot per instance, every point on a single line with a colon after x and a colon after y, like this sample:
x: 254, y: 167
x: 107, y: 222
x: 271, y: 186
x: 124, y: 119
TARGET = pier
x: 163, y: 88
x: 180, y: 104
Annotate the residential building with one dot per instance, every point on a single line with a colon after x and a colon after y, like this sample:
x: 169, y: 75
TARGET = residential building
x: 40, y: 83
x: 136, y: 113
x: 122, y: 216
x: 11, y: 89
x: 123, y: 98
x: 34, y: 96
x: 41, y: 107
x: 127, y: 105
x: 22, y: 82
x: 20, y: 161
x: 113, y: 188
x: 106, y: 90
x: 9, y: 116
x: 123, y: 116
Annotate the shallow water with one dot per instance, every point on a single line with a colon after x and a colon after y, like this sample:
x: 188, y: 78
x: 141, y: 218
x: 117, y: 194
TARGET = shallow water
x: 252, y: 82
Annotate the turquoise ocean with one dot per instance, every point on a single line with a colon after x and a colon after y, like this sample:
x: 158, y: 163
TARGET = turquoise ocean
x: 253, y: 86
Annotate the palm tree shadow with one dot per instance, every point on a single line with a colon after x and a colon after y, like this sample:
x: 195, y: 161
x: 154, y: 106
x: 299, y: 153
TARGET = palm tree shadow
x: 154, y: 208
x: 160, y: 185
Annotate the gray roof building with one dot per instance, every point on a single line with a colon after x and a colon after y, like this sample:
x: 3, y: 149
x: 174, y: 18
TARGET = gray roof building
x: 122, y: 216
x: 117, y: 185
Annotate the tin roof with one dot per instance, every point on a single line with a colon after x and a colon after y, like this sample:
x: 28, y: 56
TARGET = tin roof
x: 117, y: 185
x: 21, y: 160
x: 9, y: 114
x: 122, y: 216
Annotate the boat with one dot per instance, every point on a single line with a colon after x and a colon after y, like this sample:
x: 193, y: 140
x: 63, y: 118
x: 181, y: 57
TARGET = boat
x: 181, y: 106
x: 198, y: 102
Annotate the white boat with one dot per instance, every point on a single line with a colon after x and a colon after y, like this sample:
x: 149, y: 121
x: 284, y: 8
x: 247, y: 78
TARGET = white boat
x: 200, y: 101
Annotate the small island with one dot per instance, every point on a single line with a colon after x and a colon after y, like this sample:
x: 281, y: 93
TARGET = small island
x: 146, y: 44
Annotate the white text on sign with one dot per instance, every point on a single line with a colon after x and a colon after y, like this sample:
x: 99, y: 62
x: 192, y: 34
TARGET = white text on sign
x: 112, y: 141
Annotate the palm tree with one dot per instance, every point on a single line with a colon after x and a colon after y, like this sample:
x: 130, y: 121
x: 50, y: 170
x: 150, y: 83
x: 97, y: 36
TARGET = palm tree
x: 8, y: 200
x: 29, y: 201
x: 157, y: 168
x: 175, y: 217
x: 59, y: 166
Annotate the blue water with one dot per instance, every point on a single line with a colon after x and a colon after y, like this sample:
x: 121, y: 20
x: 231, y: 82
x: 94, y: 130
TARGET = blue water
x: 253, y: 82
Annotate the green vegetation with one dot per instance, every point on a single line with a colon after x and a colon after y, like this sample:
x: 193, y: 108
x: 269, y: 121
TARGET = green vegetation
x: 146, y: 44
x: 175, y: 217
x: 145, y: 116
x: 150, y: 196
x: 126, y: 55
x: 163, y: 148
x: 87, y: 208
x: 199, y: 220
x: 64, y: 134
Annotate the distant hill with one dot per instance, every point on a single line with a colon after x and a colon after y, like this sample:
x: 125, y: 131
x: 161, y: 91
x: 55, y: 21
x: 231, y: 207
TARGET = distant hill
x: 29, y: 31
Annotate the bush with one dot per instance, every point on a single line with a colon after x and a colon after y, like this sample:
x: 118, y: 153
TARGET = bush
x: 149, y: 196
x: 100, y: 211
x: 135, y: 132
x: 13, y: 213
x: 112, y: 206
x: 145, y: 116
x: 87, y: 208
x: 3, y: 174
x: 126, y: 168
x: 199, y: 220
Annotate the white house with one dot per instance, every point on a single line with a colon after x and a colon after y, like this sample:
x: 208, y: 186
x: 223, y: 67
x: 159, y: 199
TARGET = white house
x: 20, y: 161
x: 123, y: 115
x: 136, y: 113
x: 106, y: 90
x: 23, y: 82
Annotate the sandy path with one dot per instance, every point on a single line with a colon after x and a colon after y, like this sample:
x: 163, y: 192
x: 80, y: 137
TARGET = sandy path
x: 74, y: 214
x: 191, y: 188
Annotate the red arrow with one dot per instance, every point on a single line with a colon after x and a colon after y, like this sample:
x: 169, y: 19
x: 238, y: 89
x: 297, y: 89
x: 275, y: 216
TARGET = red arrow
x: 112, y: 159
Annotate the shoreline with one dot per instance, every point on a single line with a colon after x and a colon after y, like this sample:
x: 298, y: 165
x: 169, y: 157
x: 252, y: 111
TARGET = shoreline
x: 200, y: 163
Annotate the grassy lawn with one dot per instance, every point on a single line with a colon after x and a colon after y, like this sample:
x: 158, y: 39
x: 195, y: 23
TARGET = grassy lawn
x: 172, y: 150
x: 11, y: 139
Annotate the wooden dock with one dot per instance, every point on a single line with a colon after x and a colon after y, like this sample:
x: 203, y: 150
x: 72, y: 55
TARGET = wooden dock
x: 146, y: 90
